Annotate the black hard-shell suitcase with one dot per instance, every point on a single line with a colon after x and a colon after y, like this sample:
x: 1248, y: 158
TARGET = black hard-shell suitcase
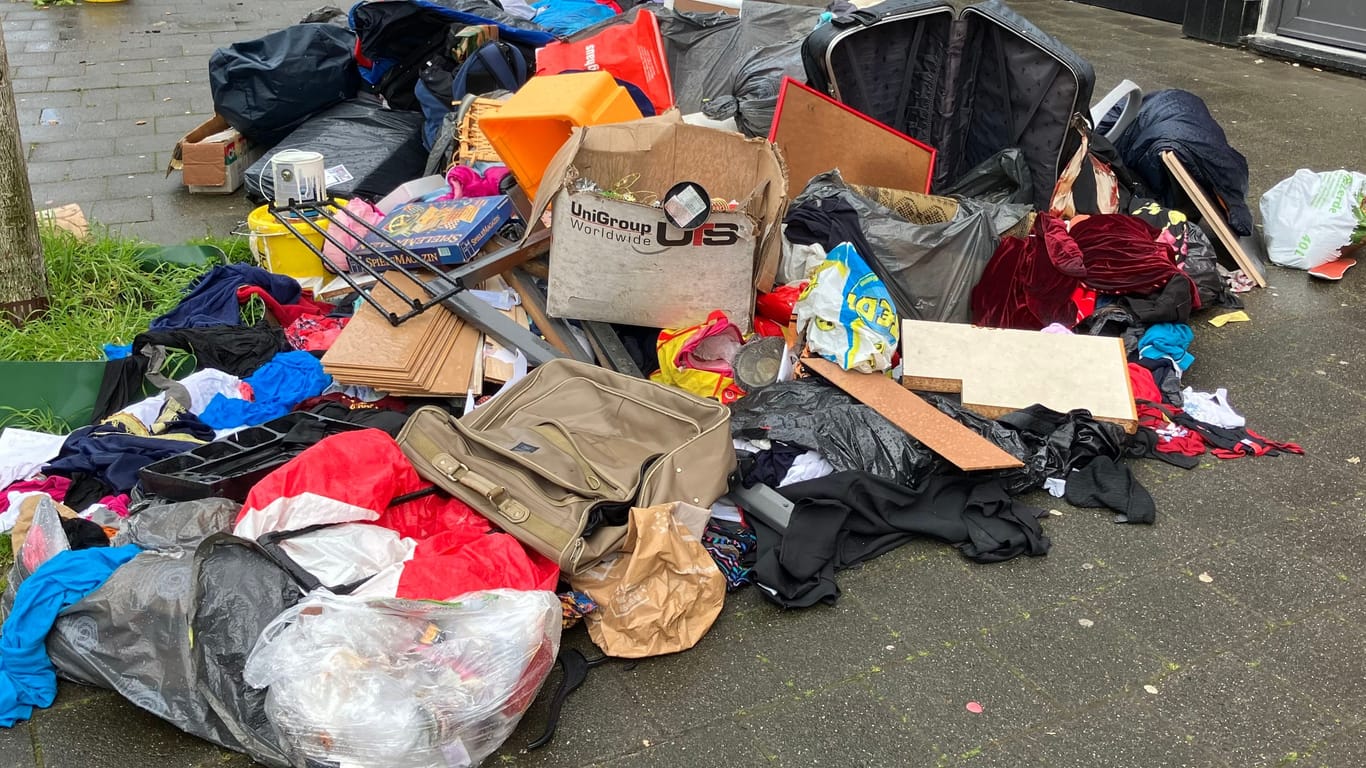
x: 969, y: 85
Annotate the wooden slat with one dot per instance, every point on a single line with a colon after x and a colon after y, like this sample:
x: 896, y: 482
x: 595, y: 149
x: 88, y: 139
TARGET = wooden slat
x: 966, y: 449
x: 1214, y: 218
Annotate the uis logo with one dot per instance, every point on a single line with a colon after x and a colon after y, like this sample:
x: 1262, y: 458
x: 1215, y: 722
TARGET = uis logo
x: 711, y: 233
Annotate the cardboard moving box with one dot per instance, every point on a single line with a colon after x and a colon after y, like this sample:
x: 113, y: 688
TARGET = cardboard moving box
x: 620, y: 260
x: 213, y: 158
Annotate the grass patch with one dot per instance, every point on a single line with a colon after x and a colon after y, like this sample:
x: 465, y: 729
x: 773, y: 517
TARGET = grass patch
x: 34, y: 420
x: 6, y: 560
x: 101, y: 292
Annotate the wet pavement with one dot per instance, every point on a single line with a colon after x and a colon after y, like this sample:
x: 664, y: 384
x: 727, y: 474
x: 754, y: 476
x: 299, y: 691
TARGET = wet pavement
x: 1111, y: 651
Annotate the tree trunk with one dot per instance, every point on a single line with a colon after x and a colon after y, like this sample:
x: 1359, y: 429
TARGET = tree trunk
x: 23, y: 278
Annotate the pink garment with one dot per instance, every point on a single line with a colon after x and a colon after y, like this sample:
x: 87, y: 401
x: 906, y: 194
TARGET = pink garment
x: 117, y: 504
x: 55, y: 486
x: 466, y: 182
x: 356, y: 211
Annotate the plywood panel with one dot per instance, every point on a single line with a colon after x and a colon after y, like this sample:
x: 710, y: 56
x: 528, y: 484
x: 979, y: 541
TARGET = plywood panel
x: 1000, y: 370
x: 817, y: 134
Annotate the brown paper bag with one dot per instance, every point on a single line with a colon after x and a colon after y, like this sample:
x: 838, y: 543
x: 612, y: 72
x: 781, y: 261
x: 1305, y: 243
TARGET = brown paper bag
x: 662, y: 592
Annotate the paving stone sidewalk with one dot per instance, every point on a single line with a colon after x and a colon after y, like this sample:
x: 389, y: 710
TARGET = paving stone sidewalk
x: 1261, y: 665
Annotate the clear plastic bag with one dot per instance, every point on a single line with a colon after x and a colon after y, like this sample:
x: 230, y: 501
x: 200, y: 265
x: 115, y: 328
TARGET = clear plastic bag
x: 389, y: 683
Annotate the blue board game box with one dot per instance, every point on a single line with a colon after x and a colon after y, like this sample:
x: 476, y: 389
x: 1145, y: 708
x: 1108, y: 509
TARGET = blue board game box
x: 441, y: 232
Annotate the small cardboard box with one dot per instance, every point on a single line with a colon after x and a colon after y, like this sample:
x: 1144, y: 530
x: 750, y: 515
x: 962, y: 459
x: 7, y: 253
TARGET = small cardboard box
x: 622, y: 261
x: 440, y: 232
x: 213, y: 158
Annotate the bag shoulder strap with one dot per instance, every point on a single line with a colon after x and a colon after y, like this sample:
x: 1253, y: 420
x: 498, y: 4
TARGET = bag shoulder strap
x: 1132, y: 96
x: 492, y: 59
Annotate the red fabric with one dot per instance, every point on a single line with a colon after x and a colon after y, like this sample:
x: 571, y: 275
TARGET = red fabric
x: 1257, y: 446
x: 1023, y: 286
x: 336, y: 480
x: 1122, y: 255
x: 55, y: 486
x: 285, y: 314
x: 455, y: 562
x: 1151, y: 414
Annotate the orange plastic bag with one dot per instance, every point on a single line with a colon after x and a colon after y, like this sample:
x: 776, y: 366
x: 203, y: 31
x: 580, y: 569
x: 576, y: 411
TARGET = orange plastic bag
x: 633, y: 52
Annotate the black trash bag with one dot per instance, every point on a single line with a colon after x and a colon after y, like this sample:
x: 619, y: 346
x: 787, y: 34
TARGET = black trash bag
x: 238, y: 590
x: 755, y: 98
x: 1001, y: 178
x: 819, y: 417
x: 267, y: 87
x: 929, y: 269
x: 1050, y: 443
x: 716, y: 55
x: 372, y: 150
x: 1018, y: 444
x: 130, y: 634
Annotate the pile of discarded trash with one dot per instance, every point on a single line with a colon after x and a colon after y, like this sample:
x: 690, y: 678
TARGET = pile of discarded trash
x: 569, y: 316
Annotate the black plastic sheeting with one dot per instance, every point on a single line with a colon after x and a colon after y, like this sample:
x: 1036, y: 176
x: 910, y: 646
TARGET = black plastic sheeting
x: 851, y: 436
x: 238, y: 590
x: 133, y: 635
x: 819, y: 417
x: 379, y: 148
x: 929, y: 269
x: 267, y: 87
x: 1001, y: 178
x: 744, y: 58
x: 1050, y: 443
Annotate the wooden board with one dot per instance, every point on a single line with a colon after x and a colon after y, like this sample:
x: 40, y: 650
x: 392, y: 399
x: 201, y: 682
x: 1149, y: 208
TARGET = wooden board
x: 966, y: 449
x: 999, y: 371
x: 818, y: 134
x: 1214, y: 218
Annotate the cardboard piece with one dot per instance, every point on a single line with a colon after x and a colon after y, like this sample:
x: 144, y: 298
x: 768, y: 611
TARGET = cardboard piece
x: 818, y: 134
x: 69, y: 218
x: 660, y: 592
x: 964, y: 448
x: 432, y: 354
x: 999, y: 370
x: 497, y: 369
x: 441, y: 232
x: 213, y: 158
x: 620, y: 261
x: 1333, y: 270
x: 1215, y: 219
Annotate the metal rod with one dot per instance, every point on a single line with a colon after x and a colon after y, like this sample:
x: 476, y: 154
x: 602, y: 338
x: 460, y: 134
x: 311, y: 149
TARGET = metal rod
x: 327, y: 236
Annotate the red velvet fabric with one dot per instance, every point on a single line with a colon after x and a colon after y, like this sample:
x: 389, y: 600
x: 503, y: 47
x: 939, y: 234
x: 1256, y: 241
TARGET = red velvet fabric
x: 1024, y: 285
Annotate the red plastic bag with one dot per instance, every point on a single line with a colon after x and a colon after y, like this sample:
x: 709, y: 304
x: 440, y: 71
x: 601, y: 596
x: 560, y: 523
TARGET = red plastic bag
x: 633, y: 52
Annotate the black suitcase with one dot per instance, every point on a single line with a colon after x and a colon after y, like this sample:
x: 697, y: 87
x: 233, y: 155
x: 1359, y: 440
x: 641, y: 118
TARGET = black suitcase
x: 968, y: 85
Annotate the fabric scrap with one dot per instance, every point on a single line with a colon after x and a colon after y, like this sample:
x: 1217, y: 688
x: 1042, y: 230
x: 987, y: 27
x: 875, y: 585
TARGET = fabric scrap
x: 1105, y: 482
x: 277, y: 387
x: 27, y: 677
x: 212, y: 298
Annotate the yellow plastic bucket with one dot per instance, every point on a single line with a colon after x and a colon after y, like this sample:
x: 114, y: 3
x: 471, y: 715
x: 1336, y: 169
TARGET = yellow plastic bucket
x: 278, y: 250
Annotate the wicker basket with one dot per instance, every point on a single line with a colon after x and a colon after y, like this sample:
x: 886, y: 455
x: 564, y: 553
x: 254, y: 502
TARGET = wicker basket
x: 473, y: 146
